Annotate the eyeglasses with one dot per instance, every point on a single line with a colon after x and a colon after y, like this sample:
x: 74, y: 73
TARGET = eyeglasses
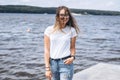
x: 64, y: 15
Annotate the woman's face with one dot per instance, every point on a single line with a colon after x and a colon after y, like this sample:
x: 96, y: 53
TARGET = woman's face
x: 63, y: 17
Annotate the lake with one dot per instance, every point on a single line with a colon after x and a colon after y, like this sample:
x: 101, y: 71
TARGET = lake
x: 21, y: 43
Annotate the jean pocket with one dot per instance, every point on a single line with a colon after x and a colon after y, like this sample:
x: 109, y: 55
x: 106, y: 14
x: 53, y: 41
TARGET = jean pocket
x: 63, y: 65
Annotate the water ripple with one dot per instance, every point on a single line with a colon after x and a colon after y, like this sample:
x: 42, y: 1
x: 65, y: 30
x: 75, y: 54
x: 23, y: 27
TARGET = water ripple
x: 22, y: 51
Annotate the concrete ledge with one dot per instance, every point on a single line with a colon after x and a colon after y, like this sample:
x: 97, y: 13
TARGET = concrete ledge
x: 101, y: 71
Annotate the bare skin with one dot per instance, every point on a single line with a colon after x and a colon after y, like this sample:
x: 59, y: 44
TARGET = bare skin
x: 63, y: 18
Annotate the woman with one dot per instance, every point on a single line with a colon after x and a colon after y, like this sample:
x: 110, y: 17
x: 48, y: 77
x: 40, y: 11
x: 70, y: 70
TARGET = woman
x: 59, y: 46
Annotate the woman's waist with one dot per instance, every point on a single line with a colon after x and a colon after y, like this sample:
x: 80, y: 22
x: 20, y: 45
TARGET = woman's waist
x: 60, y: 58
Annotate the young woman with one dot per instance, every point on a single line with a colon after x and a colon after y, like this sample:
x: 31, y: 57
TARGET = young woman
x: 59, y: 46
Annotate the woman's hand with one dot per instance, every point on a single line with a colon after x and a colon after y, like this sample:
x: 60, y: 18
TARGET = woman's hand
x: 69, y: 60
x: 48, y: 74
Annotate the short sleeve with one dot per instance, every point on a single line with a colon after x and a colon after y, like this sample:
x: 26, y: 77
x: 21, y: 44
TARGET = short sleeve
x: 73, y: 32
x: 47, y: 31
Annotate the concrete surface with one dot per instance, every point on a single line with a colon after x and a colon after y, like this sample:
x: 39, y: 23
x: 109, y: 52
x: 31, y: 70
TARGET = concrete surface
x: 101, y: 71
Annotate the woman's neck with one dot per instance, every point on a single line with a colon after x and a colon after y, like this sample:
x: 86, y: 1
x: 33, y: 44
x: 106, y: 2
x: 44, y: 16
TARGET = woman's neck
x: 63, y: 26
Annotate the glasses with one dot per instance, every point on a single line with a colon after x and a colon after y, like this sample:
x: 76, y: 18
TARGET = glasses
x: 64, y: 15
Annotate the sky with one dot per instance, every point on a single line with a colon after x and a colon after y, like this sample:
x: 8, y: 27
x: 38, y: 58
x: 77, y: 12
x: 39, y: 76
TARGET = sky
x: 112, y: 5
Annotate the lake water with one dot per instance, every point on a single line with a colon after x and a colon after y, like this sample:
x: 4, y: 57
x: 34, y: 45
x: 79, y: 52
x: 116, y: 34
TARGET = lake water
x: 21, y: 43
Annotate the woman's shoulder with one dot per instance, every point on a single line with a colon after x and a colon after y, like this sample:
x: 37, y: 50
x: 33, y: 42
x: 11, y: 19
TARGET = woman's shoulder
x: 72, y: 28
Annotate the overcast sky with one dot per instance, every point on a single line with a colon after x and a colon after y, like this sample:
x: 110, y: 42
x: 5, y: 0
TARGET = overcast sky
x: 113, y: 5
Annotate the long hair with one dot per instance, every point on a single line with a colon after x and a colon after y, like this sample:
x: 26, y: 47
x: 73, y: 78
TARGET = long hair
x: 71, y: 22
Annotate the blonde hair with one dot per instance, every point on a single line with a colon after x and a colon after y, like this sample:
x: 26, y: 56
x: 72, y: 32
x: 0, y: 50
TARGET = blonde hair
x: 71, y: 22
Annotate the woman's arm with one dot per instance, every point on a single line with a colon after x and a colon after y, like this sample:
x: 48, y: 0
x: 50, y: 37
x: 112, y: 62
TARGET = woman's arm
x: 47, y: 57
x: 47, y: 51
x: 72, y: 46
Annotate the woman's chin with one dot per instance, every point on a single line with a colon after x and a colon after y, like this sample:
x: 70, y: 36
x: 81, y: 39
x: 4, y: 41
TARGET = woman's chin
x: 63, y: 23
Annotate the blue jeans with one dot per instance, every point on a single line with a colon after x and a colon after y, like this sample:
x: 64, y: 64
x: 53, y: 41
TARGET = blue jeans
x: 61, y: 71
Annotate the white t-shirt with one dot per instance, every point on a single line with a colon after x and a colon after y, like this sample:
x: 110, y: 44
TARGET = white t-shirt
x: 60, y: 41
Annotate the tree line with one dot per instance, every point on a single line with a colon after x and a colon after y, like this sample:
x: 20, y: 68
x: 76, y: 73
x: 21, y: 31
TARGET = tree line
x: 50, y: 10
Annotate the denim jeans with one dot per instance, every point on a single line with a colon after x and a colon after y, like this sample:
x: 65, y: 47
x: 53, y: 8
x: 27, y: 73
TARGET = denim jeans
x: 60, y: 70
